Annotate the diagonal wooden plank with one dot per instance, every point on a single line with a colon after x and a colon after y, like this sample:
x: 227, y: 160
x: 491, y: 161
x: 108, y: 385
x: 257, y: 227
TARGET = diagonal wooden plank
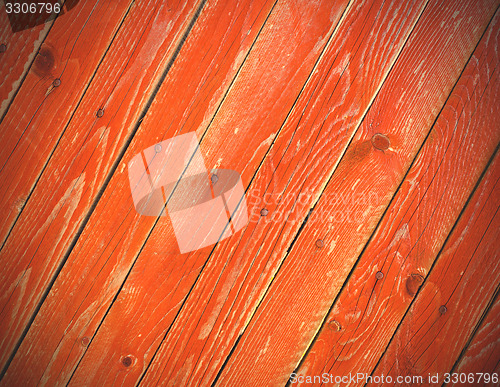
x: 17, y: 52
x: 308, y: 148
x: 282, y: 58
x: 374, y: 164
x: 94, y: 139
x: 450, y: 303
x: 420, y: 217
x: 482, y: 355
x: 48, y: 97
x: 208, y: 62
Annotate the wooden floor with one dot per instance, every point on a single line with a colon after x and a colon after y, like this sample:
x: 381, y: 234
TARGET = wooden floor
x: 366, y: 134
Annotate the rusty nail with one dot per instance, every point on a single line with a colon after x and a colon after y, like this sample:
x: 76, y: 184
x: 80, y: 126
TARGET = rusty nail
x: 335, y: 324
x: 100, y: 113
x: 380, y: 141
x: 56, y: 82
x: 379, y: 275
x: 264, y: 212
x: 214, y: 178
x: 319, y: 243
x: 3, y: 48
x: 158, y: 148
x: 127, y: 361
x: 85, y: 341
x: 443, y: 309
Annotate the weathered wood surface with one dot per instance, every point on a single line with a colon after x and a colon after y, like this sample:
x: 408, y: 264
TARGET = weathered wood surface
x: 483, y: 353
x: 324, y: 252
x: 253, y: 117
x: 17, y: 53
x: 299, y: 163
x: 326, y: 110
x: 457, y: 290
x: 46, y: 100
x: 84, y: 157
x: 416, y: 224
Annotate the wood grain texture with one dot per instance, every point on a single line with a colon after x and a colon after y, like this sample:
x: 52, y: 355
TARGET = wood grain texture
x: 298, y: 165
x: 313, y: 272
x: 464, y: 279
x: 20, y: 50
x: 282, y: 58
x: 86, y: 153
x: 187, y: 99
x: 420, y: 217
x: 31, y: 128
x: 483, y: 353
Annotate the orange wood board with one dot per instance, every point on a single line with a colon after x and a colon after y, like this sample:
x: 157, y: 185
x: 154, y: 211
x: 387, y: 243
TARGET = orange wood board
x: 84, y: 157
x: 362, y: 137
x: 433, y: 333
x: 420, y: 217
x: 325, y: 251
x: 299, y: 163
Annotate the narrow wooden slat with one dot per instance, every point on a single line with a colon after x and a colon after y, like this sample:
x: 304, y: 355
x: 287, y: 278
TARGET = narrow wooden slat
x: 257, y: 104
x: 483, y: 353
x: 20, y: 51
x: 456, y: 292
x: 72, y: 179
x: 309, y: 146
x: 187, y: 100
x: 420, y: 217
x: 32, y: 126
x: 326, y: 249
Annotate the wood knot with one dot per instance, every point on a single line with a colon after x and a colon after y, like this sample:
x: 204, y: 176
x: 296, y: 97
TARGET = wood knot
x: 85, y: 341
x: 380, y: 141
x: 44, y: 62
x: 413, y: 283
x: 335, y: 325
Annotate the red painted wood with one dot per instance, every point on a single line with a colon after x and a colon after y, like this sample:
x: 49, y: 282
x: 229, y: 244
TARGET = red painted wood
x: 420, y: 217
x: 483, y: 353
x: 31, y: 128
x: 20, y: 51
x: 90, y: 145
x: 282, y: 59
x: 311, y: 275
x: 456, y: 292
x: 208, y: 61
x: 299, y: 163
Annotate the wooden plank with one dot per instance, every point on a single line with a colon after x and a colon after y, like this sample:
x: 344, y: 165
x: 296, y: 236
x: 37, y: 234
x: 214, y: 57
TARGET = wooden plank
x: 205, y: 68
x: 327, y: 247
x: 450, y: 303
x: 420, y: 217
x: 282, y: 58
x: 17, y: 52
x: 343, y: 84
x: 483, y: 353
x: 90, y: 145
x: 32, y: 126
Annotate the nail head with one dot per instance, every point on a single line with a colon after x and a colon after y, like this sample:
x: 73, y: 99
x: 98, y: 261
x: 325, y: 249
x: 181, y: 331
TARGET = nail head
x: 443, y: 309
x: 379, y: 275
x: 56, y: 82
x: 127, y: 361
x: 3, y: 48
x: 100, y: 113
x: 158, y: 148
x: 320, y: 243
x: 214, y: 178
x: 264, y: 212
